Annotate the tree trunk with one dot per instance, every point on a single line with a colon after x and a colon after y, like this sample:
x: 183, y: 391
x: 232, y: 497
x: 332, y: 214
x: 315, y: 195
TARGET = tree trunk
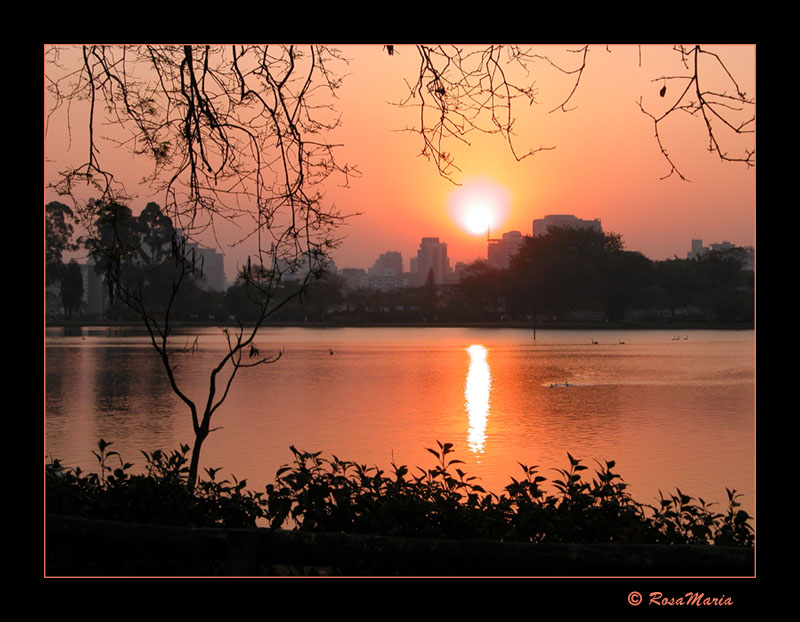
x: 194, y: 465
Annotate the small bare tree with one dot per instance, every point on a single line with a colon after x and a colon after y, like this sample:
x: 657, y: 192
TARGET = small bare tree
x: 263, y: 287
x: 148, y: 264
x: 236, y: 133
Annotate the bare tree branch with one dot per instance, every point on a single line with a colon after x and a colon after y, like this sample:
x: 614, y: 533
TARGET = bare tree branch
x: 459, y: 92
x: 231, y: 132
x: 720, y: 111
x: 131, y: 271
x: 578, y: 72
x: 462, y: 90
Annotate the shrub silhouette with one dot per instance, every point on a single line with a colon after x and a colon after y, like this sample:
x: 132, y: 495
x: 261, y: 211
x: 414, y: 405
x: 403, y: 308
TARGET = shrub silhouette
x: 332, y: 495
x: 320, y: 494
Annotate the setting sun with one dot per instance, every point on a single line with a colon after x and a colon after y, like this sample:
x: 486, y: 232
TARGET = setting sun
x: 479, y: 206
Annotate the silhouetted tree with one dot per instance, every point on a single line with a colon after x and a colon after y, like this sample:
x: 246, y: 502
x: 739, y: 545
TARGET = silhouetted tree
x: 460, y: 91
x: 155, y: 233
x: 428, y: 298
x: 320, y: 296
x: 483, y: 289
x: 136, y: 256
x: 213, y: 120
x: 59, y: 230
x: 726, y: 294
x: 678, y: 283
x: 624, y: 276
x: 71, y: 288
x: 562, y: 270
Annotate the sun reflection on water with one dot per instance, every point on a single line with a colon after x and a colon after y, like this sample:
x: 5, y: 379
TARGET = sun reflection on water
x: 476, y: 395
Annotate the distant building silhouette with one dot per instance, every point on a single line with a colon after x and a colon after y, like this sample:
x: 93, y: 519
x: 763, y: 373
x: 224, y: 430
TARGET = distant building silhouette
x: 211, y: 264
x: 698, y: 250
x: 458, y: 271
x: 208, y: 261
x: 298, y: 269
x: 542, y: 225
x: 499, y: 252
x: 431, y: 257
x: 95, y: 293
x: 354, y: 277
x: 389, y: 263
x: 386, y: 280
x: 213, y: 270
x: 93, y: 288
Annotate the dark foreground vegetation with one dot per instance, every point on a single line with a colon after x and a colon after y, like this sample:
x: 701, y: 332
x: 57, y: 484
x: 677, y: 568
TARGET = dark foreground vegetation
x: 387, y: 518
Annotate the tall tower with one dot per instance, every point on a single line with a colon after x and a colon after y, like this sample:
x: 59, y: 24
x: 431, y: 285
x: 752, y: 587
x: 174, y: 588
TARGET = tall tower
x: 432, y: 255
x: 499, y: 252
x: 389, y: 263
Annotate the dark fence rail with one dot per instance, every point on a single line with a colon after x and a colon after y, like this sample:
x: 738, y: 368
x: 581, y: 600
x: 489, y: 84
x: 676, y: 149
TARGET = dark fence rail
x: 82, y: 547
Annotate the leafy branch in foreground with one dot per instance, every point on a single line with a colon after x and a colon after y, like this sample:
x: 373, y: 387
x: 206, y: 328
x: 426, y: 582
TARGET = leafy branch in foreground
x: 332, y: 495
x: 320, y: 494
x: 158, y: 496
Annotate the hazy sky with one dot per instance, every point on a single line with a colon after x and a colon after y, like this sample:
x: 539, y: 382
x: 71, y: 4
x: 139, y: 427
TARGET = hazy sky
x: 606, y: 163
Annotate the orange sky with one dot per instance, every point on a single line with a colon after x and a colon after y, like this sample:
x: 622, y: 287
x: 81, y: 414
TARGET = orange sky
x: 606, y: 163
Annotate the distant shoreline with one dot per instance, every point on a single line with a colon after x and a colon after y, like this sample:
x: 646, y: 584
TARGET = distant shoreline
x: 679, y: 325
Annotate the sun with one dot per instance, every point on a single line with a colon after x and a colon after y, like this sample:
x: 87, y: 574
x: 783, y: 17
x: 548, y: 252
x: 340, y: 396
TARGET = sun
x: 479, y: 206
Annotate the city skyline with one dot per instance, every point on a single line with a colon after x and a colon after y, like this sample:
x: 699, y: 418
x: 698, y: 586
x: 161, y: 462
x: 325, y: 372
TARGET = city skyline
x: 599, y: 160
x: 693, y: 248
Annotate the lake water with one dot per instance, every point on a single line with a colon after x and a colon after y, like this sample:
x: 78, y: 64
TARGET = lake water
x: 674, y: 410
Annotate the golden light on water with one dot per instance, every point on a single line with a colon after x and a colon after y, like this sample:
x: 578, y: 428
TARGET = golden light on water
x: 476, y: 395
x: 636, y: 404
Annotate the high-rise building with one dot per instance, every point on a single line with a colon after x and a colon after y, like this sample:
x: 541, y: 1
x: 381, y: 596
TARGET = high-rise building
x: 211, y: 265
x: 432, y: 257
x: 458, y: 272
x: 698, y: 250
x: 209, y: 262
x: 354, y: 277
x: 499, y: 252
x: 389, y: 263
x: 542, y: 225
x: 296, y: 269
x: 213, y: 270
x: 93, y: 288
